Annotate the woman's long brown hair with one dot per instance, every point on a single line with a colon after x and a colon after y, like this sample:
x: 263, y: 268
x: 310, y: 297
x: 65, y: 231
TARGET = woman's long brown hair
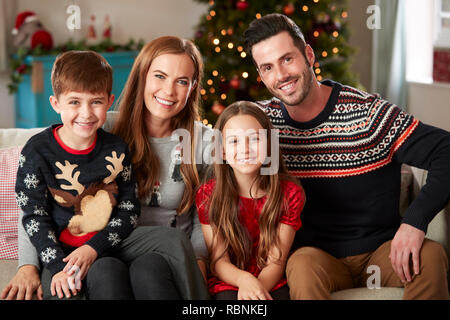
x: 224, y: 213
x: 131, y: 125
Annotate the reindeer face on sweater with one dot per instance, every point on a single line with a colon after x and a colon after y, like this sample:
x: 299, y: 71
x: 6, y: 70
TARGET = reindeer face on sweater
x: 93, y: 204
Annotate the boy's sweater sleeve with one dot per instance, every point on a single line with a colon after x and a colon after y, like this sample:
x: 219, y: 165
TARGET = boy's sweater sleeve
x: 32, y: 198
x: 124, y: 216
x: 427, y: 148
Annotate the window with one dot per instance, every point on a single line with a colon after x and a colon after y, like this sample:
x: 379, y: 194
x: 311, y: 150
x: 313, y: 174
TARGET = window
x: 442, y: 26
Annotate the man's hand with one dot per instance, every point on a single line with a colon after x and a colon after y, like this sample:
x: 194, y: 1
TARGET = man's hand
x: 407, y: 241
x: 23, y: 285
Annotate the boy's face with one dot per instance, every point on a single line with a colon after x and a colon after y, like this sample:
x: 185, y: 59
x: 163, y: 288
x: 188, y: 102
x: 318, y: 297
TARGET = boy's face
x: 82, y: 113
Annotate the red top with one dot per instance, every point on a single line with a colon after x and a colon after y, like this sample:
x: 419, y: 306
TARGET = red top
x: 250, y: 209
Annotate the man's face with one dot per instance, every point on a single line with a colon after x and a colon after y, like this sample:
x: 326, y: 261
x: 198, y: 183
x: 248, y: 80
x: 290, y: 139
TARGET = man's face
x: 283, y: 68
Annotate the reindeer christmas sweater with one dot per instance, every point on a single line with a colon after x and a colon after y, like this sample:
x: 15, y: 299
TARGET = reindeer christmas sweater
x: 71, y: 197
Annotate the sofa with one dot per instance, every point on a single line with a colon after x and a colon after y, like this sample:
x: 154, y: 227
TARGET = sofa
x: 12, y: 139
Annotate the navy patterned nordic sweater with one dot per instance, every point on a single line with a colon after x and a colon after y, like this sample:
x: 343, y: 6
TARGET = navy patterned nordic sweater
x: 348, y: 159
x: 70, y: 199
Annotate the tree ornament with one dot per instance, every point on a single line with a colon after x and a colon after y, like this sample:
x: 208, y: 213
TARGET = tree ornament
x: 289, y: 9
x: 235, y: 82
x: 217, y: 108
x: 242, y: 5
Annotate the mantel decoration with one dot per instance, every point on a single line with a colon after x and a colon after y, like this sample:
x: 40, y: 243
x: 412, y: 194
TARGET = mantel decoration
x: 31, y: 39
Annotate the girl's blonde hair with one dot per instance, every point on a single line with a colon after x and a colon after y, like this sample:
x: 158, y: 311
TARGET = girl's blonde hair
x: 224, y: 213
x: 131, y: 124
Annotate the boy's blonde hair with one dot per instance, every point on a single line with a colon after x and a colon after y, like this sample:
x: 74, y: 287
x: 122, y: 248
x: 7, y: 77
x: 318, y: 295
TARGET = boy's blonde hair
x: 82, y: 71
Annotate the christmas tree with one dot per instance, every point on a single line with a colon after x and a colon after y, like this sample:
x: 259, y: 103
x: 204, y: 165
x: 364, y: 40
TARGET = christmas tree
x: 229, y: 72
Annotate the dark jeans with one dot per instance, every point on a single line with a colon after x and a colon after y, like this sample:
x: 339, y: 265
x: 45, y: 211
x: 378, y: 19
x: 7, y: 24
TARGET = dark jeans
x: 147, y: 278
x: 129, y: 270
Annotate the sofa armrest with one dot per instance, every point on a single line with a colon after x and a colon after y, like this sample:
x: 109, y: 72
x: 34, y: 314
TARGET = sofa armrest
x: 16, y: 136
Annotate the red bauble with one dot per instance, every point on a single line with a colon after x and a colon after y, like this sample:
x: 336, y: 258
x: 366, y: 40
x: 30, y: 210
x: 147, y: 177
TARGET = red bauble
x: 235, y: 83
x: 242, y: 5
x: 217, y: 108
x: 289, y: 9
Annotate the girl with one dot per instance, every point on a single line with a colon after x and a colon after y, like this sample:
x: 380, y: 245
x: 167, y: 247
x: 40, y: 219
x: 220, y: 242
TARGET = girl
x: 249, y: 220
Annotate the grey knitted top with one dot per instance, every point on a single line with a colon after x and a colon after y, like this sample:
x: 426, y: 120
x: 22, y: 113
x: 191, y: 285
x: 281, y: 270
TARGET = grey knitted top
x: 159, y: 208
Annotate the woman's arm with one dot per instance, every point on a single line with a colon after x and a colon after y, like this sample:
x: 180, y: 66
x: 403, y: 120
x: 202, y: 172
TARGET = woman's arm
x: 27, y: 251
x: 275, y: 268
x: 26, y: 281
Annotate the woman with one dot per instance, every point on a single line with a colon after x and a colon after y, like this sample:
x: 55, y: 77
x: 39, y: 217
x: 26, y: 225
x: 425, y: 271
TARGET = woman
x: 161, y: 95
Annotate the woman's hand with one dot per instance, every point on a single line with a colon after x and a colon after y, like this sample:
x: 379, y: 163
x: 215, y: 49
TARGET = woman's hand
x: 24, y: 284
x: 250, y: 288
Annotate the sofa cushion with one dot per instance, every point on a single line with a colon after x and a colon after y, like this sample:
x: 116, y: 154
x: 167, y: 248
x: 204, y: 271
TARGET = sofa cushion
x: 9, y: 211
x: 8, y: 270
x: 383, y: 293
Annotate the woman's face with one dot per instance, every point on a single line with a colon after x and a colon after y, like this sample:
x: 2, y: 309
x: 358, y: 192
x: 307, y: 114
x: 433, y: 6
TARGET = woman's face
x: 168, y: 85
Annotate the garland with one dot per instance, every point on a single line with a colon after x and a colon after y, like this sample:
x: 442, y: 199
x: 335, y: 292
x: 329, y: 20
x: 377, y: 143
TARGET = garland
x: 19, y: 68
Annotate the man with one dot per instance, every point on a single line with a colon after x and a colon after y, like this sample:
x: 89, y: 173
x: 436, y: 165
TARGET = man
x: 347, y: 147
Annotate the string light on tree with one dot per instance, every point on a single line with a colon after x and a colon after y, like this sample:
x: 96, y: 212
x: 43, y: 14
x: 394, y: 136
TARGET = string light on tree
x: 233, y: 75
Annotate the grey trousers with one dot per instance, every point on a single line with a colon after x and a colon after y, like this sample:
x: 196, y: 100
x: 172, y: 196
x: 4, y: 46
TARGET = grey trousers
x: 172, y: 244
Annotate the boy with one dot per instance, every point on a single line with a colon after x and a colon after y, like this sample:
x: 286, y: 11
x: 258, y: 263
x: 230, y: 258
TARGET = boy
x: 74, y: 181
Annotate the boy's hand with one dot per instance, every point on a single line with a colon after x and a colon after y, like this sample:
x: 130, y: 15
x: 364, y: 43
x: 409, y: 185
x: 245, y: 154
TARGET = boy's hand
x: 60, y: 285
x: 82, y: 257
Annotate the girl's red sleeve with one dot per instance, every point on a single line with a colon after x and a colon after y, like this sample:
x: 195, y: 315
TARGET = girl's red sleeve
x: 295, y: 197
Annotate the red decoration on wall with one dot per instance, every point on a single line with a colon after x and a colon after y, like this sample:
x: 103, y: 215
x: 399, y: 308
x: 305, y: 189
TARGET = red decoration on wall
x: 441, y: 65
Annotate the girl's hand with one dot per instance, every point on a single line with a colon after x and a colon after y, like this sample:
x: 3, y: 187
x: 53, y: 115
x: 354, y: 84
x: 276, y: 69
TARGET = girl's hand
x: 82, y: 257
x: 60, y: 285
x: 250, y: 288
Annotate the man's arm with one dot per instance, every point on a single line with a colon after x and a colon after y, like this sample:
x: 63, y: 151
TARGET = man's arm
x: 427, y: 148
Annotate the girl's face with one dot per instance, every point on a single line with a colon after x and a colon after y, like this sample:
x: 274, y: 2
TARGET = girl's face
x: 168, y: 85
x: 244, y: 144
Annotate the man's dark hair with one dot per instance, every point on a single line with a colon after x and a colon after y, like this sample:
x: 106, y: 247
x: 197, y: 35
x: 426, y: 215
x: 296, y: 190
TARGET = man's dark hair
x: 271, y: 25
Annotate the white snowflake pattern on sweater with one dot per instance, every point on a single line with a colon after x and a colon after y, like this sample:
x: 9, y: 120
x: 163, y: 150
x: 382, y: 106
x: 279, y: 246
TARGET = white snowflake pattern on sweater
x: 51, y: 235
x: 21, y: 199
x: 134, y: 220
x: 48, y: 255
x: 32, y: 227
x: 39, y: 211
x: 22, y: 160
x: 126, y: 205
x: 31, y: 181
x: 126, y: 173
x: 114, y: 238
x: 115, y: 222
